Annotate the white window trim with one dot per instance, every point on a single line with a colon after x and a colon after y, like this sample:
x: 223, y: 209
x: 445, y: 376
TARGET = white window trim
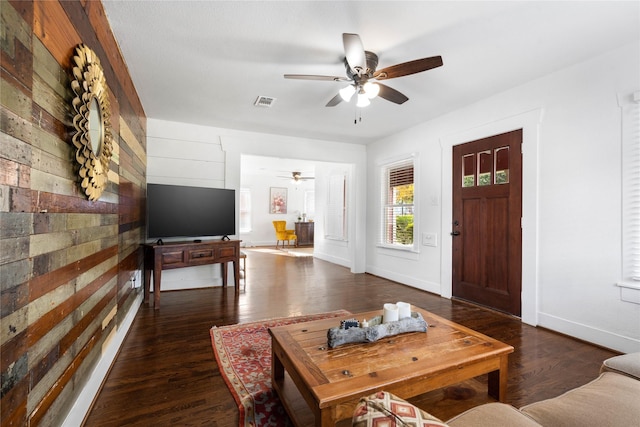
x: 389, y: 248
x: 630, y: 105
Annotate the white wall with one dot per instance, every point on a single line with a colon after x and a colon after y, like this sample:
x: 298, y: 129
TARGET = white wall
x: 572, y: 196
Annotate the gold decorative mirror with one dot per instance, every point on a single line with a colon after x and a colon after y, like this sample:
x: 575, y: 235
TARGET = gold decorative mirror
x: 92, y: 122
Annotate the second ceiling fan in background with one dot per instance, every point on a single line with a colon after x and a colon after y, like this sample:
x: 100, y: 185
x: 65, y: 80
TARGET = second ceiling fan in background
x: 365, y: 79
x: 297, y: 177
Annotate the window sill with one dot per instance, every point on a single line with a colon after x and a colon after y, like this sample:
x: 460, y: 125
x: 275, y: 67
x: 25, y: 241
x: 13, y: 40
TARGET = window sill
x: 629, y: 285
x: 629, y: 292
x: 399, y: 251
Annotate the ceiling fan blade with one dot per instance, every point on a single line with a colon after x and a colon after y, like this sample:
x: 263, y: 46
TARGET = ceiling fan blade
x: 407, y: 68
x: 391, y: 94
x: 334, y: 101
x: 354, y: 52
x: 315, y: 77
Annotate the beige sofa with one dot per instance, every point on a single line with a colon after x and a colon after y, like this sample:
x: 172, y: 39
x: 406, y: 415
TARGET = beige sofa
x: 612, y: 399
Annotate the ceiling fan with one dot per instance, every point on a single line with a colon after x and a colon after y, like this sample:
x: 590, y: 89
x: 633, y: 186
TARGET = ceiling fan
x: 364, y: 78
x: 297, y: 177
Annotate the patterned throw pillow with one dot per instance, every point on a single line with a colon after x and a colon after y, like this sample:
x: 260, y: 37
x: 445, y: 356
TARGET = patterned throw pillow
x: 383, y: 409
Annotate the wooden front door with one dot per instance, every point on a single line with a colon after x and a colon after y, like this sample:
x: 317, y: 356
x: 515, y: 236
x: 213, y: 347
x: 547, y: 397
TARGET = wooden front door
x: 486, y: 229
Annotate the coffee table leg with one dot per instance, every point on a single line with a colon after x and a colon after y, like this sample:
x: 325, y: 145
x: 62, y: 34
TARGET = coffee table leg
x: 277, y: 369
x: 327, y: 418
x: 498, y: 381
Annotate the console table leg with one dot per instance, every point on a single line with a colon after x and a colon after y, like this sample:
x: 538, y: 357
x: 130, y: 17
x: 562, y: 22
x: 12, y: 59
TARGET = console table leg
x: 157, y: 272
x: 236, y: 275
x: 225, y: 271
x: 147, y: 284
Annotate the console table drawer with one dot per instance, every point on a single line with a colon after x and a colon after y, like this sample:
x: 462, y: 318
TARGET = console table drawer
x: 172, y: 258
x: 200, y: 255
x: 227, y: 252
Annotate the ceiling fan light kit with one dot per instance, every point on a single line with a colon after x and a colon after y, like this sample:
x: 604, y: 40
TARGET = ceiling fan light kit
x: 363, y: 99
x: 347, y: 92
x: 361, y: 72
x: 371, y: 89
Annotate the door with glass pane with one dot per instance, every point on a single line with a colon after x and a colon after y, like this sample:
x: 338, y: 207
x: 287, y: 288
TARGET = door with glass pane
x: 486, y: 229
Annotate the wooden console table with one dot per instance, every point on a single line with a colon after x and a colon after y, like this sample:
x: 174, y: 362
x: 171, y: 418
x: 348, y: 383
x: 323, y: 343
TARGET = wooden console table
x: 188, y: 254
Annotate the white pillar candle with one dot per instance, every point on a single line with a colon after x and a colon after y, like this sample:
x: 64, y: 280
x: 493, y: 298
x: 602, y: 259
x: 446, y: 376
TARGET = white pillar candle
x: 390, y: 313
x: 404, y: 310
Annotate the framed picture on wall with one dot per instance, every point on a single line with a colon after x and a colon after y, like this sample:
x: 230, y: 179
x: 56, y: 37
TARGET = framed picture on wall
x: 278, y: 200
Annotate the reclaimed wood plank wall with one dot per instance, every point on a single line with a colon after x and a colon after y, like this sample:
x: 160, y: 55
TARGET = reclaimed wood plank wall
x: 66, y: 264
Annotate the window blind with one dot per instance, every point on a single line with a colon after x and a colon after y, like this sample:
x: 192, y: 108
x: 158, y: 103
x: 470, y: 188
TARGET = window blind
x: 245, y: 210
x: 401, y: 174
x: 336, y: 215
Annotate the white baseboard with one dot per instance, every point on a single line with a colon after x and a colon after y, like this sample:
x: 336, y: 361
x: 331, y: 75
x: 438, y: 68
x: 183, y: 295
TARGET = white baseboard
x: 424, y: 285
x: 332, y: 259
x: 588, y: 333
x: 85, y: 398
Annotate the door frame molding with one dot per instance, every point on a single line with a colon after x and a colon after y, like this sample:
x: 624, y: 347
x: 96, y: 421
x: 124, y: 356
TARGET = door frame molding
x: 529, y: 122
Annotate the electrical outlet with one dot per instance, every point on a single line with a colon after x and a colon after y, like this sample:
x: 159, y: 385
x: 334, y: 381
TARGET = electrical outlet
x: 429, y: 239
x: 136, y: 279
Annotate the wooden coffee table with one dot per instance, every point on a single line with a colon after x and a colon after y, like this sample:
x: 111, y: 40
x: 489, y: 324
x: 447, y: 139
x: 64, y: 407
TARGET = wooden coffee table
x: 331, y: 381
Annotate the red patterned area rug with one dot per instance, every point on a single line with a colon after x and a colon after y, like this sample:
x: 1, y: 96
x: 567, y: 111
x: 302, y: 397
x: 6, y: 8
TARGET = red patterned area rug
x: 243, y: 353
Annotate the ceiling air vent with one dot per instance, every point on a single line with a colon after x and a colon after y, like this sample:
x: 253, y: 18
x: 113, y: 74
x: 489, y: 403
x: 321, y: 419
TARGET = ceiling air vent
x: 264, y: 101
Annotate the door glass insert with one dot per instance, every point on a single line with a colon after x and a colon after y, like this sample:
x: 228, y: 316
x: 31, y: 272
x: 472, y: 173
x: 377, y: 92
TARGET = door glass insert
x: 468, y: 170
x: 485, y: 167
x: 502, y: 165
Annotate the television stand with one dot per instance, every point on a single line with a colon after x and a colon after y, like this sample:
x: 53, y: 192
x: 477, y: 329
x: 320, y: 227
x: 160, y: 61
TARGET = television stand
x: 170, y: 255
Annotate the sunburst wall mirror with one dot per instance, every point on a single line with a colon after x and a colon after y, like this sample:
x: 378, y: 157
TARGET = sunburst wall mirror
x: 92, y: 122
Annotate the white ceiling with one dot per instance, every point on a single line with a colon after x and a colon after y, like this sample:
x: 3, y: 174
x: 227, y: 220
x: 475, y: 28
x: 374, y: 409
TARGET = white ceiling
x: 276, y: 166
x: 206, y: 62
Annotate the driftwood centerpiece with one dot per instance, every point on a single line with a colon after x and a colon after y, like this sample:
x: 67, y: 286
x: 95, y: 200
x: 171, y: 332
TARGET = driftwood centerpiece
x: 376, y: 330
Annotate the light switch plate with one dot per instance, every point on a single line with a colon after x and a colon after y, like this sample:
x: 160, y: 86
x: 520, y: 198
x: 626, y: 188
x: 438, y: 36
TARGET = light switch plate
x: 429, y: 239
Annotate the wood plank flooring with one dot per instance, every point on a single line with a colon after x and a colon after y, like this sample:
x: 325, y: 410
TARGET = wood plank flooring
x: 166, y: 374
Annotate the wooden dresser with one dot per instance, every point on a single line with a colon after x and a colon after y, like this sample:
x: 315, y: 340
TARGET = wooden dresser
x: 158, y: 257
x: 304, y: 232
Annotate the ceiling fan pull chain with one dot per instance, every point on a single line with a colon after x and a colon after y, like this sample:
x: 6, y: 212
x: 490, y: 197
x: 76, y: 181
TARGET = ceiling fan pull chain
x: 357, y: 116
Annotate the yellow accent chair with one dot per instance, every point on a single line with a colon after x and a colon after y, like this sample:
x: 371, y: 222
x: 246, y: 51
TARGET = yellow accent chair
x: 284, y: 235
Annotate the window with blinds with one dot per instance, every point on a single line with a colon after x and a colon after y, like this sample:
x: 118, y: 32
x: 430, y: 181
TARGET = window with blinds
x: 245, y: 210
x: 397, y: 201
x: 336, y: 213
x: 631, y: 188
x: 310, y: 203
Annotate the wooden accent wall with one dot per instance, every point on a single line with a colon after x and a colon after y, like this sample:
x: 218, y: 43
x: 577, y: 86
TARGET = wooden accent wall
x: 66, y: 263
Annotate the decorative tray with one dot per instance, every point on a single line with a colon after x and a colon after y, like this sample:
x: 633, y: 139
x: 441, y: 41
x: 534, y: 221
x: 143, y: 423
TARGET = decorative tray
x: 376, y: 330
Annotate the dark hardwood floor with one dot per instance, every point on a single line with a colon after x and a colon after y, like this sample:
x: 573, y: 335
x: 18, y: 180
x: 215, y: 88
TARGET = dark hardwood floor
x: 166, y: 374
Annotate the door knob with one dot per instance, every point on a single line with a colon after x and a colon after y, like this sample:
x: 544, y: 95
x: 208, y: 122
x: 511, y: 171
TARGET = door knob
x: 455, y: 233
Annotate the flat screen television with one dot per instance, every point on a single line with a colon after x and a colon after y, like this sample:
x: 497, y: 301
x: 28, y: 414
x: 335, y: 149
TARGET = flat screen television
x: 183, y: 211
